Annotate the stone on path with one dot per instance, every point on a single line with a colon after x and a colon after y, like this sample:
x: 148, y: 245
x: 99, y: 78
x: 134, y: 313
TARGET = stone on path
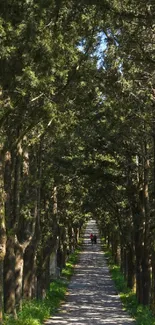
x: 92, y: 298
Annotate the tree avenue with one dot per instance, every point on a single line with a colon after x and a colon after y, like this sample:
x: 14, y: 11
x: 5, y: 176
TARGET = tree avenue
x: 77, y: 139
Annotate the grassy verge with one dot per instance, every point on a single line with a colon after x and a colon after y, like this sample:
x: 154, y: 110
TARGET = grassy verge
x: 35, y: 312
x: 140, y: 313
x: 68, y: 271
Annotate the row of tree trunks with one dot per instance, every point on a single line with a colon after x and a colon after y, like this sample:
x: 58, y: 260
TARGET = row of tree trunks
x: 135, y: 249
x: 32, y: 249
x: 17, y: 241
x: 124, y: 255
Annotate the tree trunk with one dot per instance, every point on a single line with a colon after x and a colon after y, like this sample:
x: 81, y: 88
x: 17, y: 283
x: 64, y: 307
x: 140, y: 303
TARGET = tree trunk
x: 9, y: 261
x: 153, y: 281
x: 9, y: 278
x: 138, y: 238
x: 130, y: 267
x: 70, y: 236
x: 76, y: 236
x: 1, y: 290
x: 2, y: 237
x: 43, y: 267
x: 115, y: 246
x: 43, y: 278
x: 138, y: 214
x: 122, y: 259
x: 53, y: 264
x: 146, y: 251
x: 16, y: 217
x: 16, y: 188
x: 29, y: 287
x: 64, y: 246
x: 125, y: 267
x: 59, y: 257
x: 139, y: 254
x: 109, y: 237
x: 18, y: 274
x: 146, y: 279
x: 29, y: 270
x: 139, y: 290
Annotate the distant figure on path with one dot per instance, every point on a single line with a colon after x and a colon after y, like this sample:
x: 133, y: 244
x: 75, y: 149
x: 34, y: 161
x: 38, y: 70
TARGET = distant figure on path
x: 91, y: 237
x: 95, y: 239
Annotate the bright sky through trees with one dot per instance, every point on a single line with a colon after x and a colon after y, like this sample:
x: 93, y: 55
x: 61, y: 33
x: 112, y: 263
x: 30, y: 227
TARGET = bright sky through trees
x: 100, y: 48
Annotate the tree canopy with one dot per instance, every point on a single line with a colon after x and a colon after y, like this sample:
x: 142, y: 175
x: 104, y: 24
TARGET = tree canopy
x: 77, y: 138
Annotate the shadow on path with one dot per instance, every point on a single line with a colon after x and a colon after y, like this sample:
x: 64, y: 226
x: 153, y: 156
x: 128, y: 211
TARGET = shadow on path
x: 92, y: 298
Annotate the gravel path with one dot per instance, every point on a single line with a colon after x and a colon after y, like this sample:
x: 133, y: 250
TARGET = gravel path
x: 92, y: 297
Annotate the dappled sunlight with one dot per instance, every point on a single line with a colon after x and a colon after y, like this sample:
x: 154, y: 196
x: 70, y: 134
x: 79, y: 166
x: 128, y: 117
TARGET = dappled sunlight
x: 91, y: 297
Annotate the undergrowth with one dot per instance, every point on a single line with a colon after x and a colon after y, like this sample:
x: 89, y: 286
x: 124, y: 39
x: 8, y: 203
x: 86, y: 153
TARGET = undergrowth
x: 35, y: 311
x: 140, y: 313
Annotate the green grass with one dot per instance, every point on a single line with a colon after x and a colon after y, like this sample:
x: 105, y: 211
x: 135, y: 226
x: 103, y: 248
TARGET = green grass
x: 35, y: 312
x: 69, y: 269
x: 140, y: 313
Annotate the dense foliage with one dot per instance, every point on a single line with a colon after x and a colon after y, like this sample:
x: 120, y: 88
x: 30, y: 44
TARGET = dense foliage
x: 77, y: 139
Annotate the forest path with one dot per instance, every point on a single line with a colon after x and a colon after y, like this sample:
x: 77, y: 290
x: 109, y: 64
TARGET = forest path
x: 92, y: 297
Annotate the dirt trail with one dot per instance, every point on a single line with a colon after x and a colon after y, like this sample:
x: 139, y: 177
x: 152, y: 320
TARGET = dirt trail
x: 92, y: 298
